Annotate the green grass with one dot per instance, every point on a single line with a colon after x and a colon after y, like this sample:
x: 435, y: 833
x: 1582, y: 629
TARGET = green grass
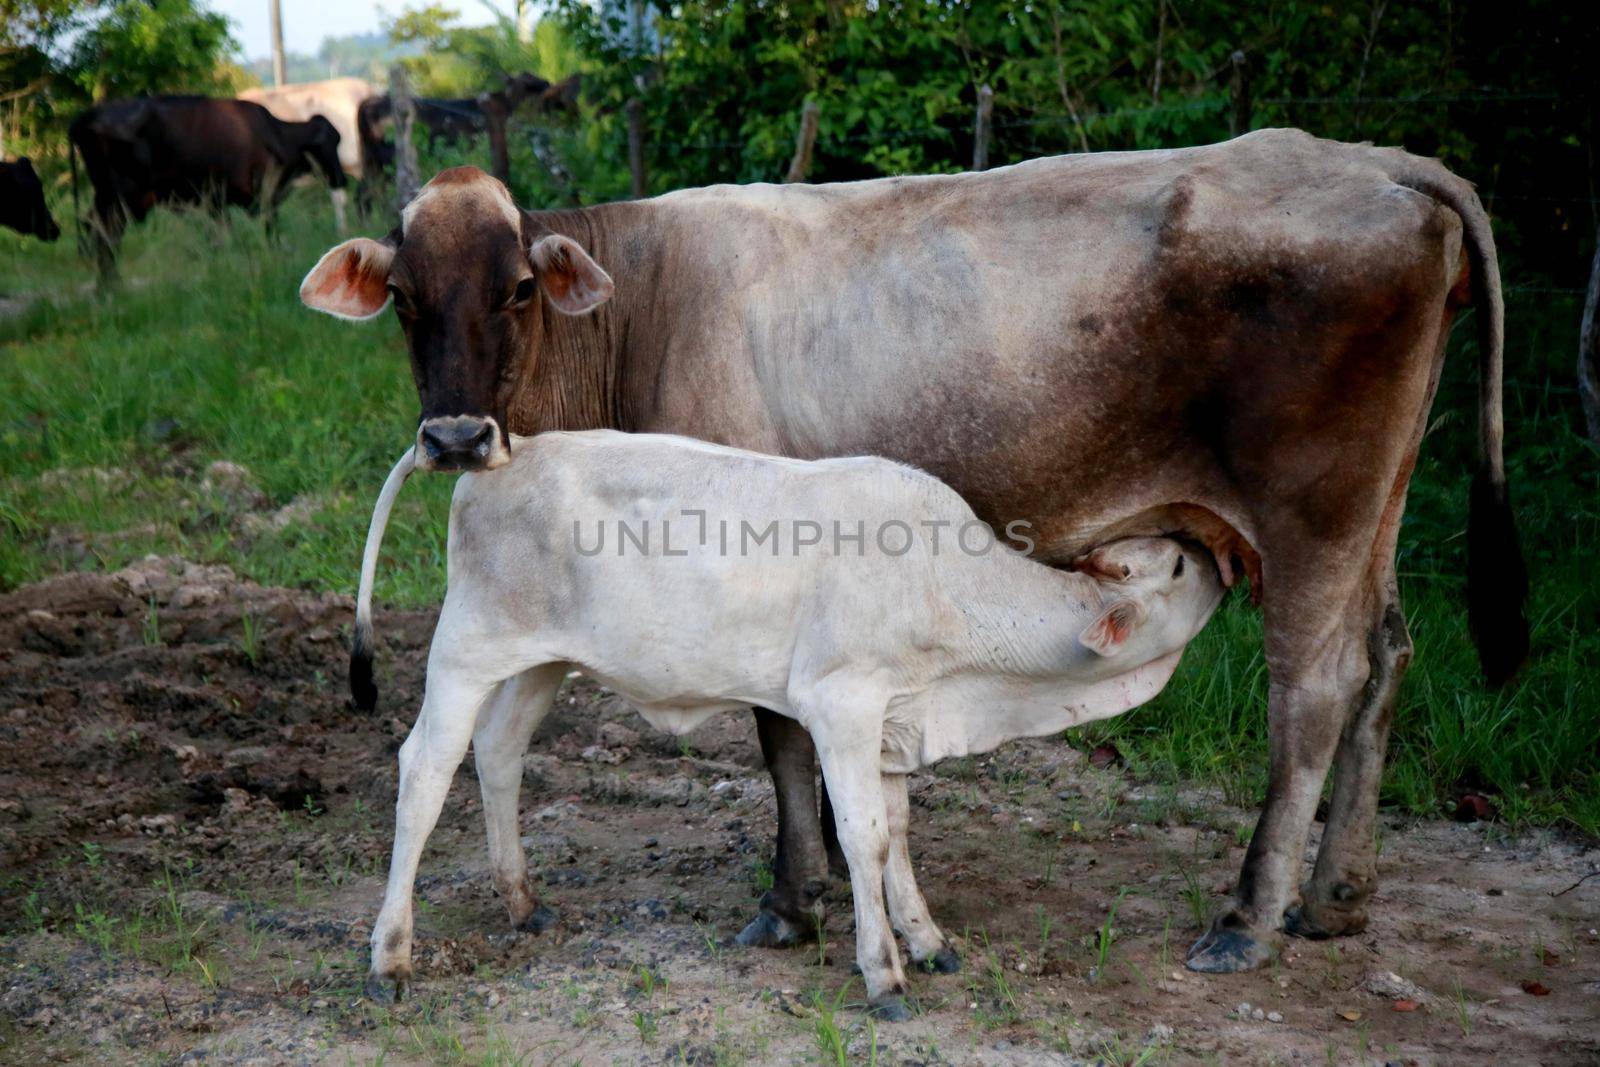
x: 207, y: 354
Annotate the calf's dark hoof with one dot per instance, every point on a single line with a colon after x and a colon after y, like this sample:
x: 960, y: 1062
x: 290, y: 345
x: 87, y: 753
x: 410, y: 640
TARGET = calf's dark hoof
x: 383, y: 990
x: 768, y: 930
x: 1225, y: 951
x: 945, y: 961
x: 538, y: 921
x: 890, y: 1008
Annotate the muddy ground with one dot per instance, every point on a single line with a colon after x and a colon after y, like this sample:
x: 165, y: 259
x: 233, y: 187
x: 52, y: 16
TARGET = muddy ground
x: 194, y: 826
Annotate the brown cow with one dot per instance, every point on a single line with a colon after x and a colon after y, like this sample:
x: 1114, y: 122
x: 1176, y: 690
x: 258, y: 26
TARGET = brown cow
x: 1238, y: 343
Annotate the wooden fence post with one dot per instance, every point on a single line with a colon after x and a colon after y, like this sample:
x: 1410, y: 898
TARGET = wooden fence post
x: 1589, y: 351
x: 635, y: 110
x: 804, y: 141
x: 1239, y: 91
x: 406, y: 180
x: 495, y: 109
x: 980, y: 128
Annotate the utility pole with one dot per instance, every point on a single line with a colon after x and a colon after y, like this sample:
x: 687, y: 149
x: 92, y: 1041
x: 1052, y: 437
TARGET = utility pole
x: 280, y: 68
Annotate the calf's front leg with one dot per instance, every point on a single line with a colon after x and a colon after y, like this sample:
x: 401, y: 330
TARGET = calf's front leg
x: 907, y: 908
x: 428, y: 761
x: 849, y: 740
x: 504, y: 728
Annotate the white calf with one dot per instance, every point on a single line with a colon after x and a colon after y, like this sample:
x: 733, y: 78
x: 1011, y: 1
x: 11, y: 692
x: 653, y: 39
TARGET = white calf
x: 857, y: 596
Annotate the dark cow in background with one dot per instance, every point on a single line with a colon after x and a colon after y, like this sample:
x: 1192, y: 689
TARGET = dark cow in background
x: 1237, y: 343
x: 460, y: 118
x: 22, y: 206
x: 193, y: 150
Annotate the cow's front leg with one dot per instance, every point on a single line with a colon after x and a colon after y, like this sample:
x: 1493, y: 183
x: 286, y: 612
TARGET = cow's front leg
x: 849, y: 736
x: 907, y: 908
x: 506, y: 724
x: 428, y: 761
x: 1306, y: 710
x: 791, y: 911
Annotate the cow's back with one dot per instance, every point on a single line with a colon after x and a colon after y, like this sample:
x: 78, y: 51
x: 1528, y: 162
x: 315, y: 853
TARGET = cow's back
x: 1058, y: 339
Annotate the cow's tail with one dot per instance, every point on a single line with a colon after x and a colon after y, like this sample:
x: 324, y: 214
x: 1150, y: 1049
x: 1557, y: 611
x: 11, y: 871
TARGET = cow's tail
x: 363, y: 691
x: 1497, y: 577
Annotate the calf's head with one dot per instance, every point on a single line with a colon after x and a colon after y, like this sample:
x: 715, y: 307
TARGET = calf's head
x: 322, y: 149
x: 22, y: 205
x: 1157, y: 594
x: 471, y: 278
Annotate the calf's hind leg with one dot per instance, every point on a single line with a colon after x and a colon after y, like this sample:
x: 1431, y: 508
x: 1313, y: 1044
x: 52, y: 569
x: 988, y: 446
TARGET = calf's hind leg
x: 504, y: 728
x: 792, y: 909
x: 907, y: 908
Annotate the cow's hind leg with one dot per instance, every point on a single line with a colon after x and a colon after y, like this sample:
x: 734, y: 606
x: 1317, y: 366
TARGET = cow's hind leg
x: 791, y: 911
x: 504, y: 727
x: 1334, y: 901
x: 428, y: 761
x: 1318, y: 666
x: 907, y: 908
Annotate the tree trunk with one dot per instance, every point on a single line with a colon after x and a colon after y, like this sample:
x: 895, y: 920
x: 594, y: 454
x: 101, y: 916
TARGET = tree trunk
x: 406, y: 180
x: 280, y: 66
x: 804, y: 141
x: 981, y: 128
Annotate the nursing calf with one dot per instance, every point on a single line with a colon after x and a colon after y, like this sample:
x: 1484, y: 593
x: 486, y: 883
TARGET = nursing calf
x: 862, y: 599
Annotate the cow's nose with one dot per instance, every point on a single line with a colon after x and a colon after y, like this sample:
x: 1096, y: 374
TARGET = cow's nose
x: 458, y: 443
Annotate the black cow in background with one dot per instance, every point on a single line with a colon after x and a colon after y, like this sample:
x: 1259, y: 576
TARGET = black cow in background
x: 22, y: 205
x: 192, y: 150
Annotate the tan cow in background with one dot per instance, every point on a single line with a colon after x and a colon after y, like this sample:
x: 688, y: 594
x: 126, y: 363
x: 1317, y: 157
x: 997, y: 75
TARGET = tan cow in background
x: 336, y: 98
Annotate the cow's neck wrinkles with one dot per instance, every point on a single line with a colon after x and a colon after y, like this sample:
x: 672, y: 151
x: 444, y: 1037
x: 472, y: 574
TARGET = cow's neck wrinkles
x: 574, y: 366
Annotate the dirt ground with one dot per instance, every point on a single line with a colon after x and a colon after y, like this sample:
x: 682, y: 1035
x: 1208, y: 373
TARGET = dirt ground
x: 194, y: 828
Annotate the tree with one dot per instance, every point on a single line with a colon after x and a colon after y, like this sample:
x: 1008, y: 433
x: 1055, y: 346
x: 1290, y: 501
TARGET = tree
x: 155, y: 46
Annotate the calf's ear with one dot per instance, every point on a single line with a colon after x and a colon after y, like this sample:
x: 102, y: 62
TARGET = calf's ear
x: 351, y: 280
x: 1111, y: 629
x: 573, y: 282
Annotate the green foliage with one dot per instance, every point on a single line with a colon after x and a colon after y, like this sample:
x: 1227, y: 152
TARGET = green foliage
x: 155, y: 46
x: 458, y: 60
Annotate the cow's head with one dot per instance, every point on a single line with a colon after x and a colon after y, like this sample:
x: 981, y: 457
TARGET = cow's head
x: 23, y: 204
x: 322, y: 148
x: 1157, y: 594
x: 471, y: 277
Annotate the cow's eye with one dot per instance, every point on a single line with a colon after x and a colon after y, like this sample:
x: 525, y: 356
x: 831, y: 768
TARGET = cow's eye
x: 402, y: 303
x: 1177, y: 570
x: 522, y: 293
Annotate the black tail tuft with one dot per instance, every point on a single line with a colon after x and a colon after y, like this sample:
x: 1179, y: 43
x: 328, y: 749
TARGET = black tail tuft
x: 1497, y: 582
x: 363, y: 692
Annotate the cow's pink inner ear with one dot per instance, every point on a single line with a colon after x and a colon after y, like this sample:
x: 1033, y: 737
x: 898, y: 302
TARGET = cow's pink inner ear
x: 351, y: 280
x: 1111, y: 628
x: 573, y: 282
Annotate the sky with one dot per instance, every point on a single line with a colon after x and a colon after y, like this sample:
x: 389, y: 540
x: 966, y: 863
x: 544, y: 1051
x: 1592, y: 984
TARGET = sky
x: 307, y: 22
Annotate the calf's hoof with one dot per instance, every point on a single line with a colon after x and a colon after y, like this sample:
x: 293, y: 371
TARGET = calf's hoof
x: 769, y: 930
x: 538, y: 920
x: 382, y: 990
x: 890, y: 1008
x: 1227, y: 951
x: 945, y: 961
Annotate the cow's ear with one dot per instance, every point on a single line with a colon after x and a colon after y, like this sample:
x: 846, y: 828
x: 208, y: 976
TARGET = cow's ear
x: 1100, y: 565
x: 351, y: 281
x: 573, y: 282
x: 1111, y: 629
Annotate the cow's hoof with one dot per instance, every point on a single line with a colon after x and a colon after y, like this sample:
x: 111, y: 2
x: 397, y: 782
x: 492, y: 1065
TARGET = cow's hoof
x: 1318, y: 921
x: 945, y: 961
x: 1227, y: 952
x: 381, y: 990
x: 890, y: 1008
x: 538, y: 921
x: 767, y: 930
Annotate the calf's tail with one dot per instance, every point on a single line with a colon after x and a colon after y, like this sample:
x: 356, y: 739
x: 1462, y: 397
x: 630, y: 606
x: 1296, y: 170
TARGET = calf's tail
x: 363, y: 691
x: 1497, y: 577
